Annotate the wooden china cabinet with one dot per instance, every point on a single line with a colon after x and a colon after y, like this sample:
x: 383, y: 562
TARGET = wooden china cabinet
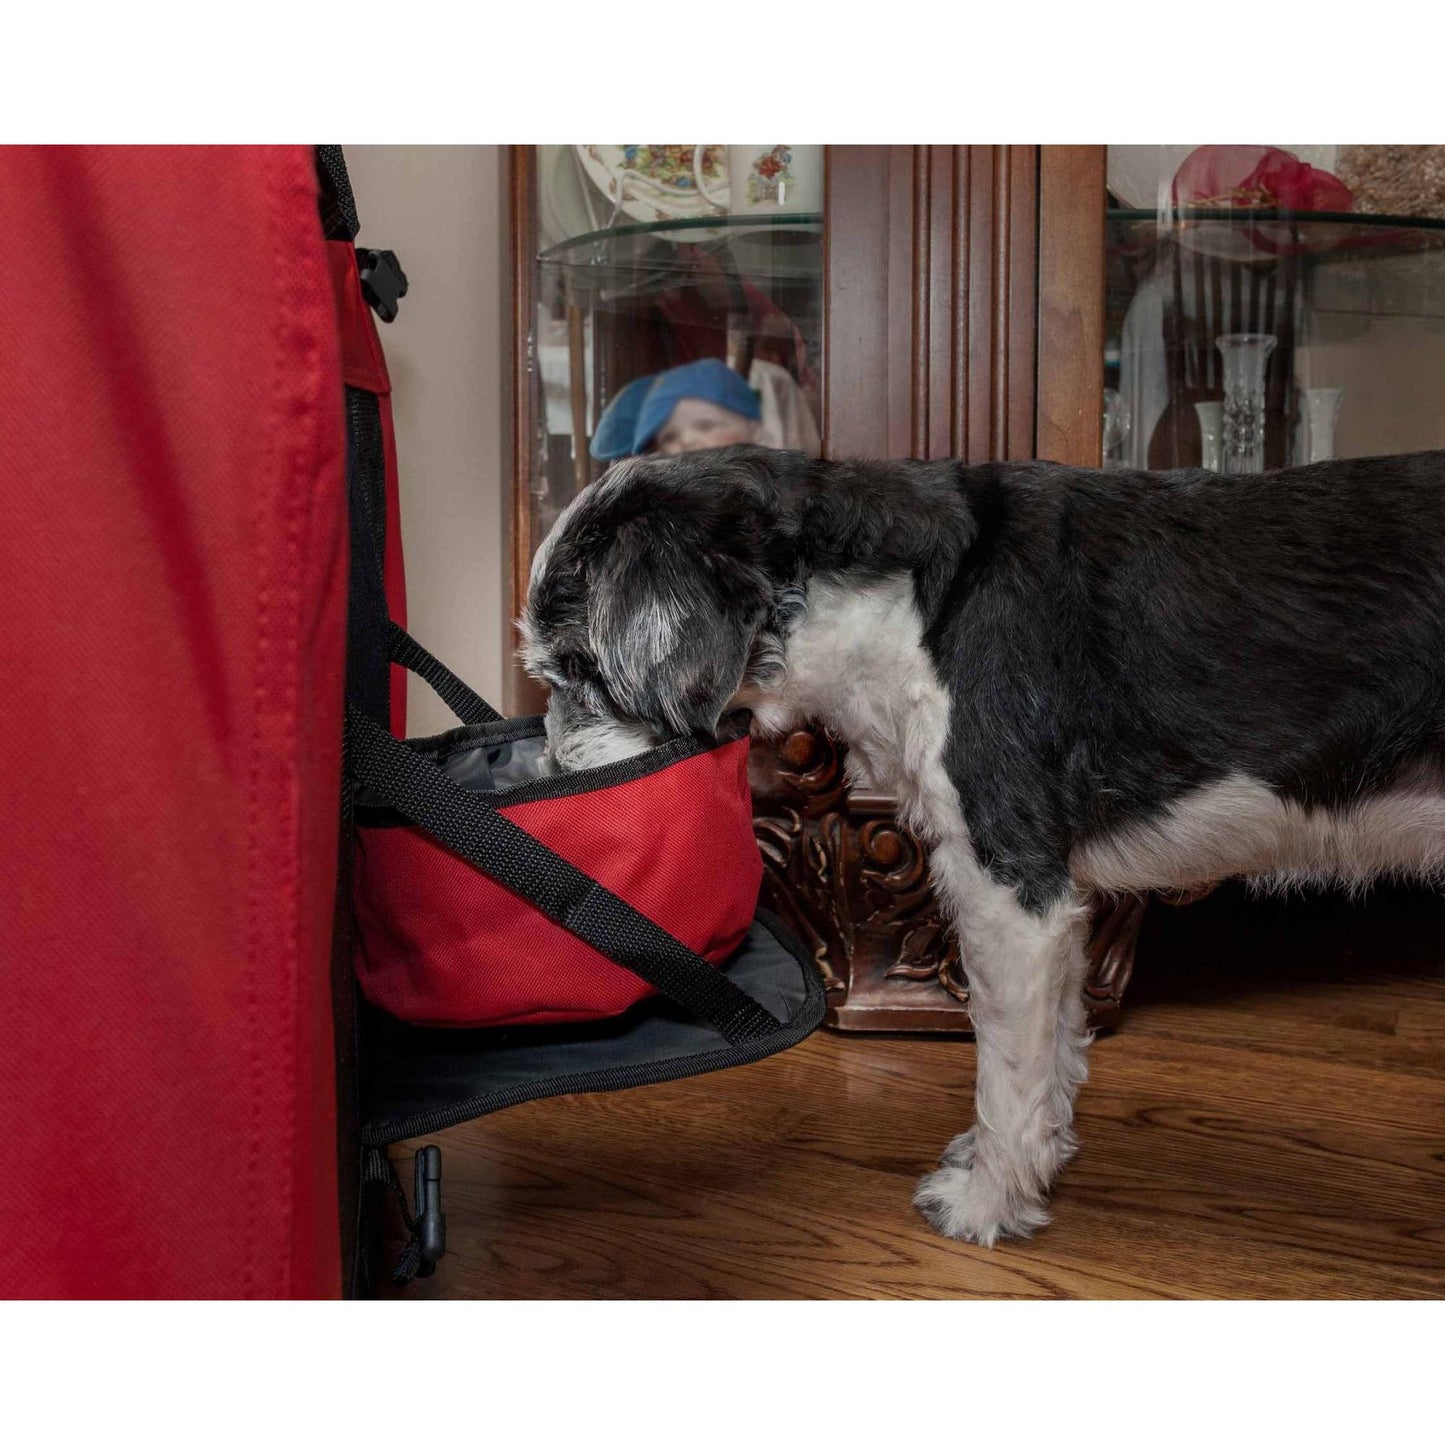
x: 947, y: 301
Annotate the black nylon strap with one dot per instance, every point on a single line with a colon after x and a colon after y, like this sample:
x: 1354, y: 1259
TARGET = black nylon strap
x: 377, y: 1168
x: 338, y: 206
x: 468, y: 705
x: 499, y: 848
x: 368, y: 660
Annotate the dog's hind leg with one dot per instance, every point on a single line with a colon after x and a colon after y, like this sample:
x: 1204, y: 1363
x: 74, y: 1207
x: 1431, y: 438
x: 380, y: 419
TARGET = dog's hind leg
x: 1025, y: 971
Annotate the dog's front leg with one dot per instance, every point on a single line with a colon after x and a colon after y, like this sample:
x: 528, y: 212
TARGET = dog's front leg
x: 1023, y: 969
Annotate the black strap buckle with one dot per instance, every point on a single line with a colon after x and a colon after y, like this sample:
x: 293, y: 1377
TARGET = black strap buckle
x: 383, y: 282
x: 427, y: 1228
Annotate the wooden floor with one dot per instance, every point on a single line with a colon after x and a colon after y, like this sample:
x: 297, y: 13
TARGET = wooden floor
x: 1269, y: 1122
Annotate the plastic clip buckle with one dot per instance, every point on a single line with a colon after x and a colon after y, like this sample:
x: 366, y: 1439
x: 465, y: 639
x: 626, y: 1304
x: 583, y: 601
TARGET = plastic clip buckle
x: 431, y: 1224
x: 383, y: 282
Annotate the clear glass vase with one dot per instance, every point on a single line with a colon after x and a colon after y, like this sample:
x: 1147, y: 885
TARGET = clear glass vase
x: 1211, y: 434
x: 1246, y: 355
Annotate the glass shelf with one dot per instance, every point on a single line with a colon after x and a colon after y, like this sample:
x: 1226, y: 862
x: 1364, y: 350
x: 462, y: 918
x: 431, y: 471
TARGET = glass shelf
x: 1244, y: 233
x: 1365, y: 219
x: 635, y: 260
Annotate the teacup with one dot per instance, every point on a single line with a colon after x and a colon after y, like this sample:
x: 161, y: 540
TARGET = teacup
x: 765, y: 178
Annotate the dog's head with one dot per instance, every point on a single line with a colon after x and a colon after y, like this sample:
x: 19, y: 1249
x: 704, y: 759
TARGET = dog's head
x: 661, y: 590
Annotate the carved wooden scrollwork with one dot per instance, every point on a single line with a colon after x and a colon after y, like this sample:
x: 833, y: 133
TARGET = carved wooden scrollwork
x: 932, y: 952
x: 852, y: 881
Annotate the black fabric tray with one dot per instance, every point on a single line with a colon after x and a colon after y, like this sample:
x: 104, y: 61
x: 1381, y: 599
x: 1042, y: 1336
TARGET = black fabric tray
x: 420, y: 1080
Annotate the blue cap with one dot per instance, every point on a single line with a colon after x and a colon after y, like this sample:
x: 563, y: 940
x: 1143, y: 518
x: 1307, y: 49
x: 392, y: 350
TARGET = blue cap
x: 644, y: 405
x: 613, y: 437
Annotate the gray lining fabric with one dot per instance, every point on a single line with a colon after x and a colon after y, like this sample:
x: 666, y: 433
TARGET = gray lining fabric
x: 424, y: 1079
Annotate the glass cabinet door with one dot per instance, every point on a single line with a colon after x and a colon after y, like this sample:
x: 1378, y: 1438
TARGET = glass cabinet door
x: 647, y: 261
x: 1273, y: 305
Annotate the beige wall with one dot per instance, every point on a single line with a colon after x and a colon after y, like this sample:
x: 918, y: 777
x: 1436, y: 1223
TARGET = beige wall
x: 441, y: 209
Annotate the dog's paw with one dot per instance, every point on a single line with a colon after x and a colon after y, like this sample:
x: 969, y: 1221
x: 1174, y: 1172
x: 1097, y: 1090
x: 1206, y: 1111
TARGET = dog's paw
x: 968, y: 1203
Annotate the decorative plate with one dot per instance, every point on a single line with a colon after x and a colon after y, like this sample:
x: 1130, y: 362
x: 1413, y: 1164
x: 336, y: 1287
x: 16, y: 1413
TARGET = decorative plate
x: 655, y: 183
x: 570, y: 205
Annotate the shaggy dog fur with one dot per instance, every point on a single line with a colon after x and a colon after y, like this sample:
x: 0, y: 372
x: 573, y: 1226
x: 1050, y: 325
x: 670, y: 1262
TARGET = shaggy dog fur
x: 1073, y: 681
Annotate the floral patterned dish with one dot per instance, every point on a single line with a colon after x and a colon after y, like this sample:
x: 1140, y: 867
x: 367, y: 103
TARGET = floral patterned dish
x: 655, y: 183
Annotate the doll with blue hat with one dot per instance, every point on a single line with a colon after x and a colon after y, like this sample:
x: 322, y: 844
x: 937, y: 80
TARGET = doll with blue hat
x: 685, y: 409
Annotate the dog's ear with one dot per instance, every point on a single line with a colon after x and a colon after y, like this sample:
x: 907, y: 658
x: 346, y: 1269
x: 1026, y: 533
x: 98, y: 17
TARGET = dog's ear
x: 674, y: 604
x: 556, y: 648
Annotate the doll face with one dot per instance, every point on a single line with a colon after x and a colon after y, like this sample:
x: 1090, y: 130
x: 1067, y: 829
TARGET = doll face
x: 696, y: 424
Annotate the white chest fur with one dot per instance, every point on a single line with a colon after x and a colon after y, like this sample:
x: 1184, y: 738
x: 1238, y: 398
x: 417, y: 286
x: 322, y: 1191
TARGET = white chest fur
x: 856, y: 662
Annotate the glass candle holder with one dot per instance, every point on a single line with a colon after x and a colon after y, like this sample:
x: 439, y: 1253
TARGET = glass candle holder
x: 1246, y: 355
x: 1322, y: 407
x: 1116, y: 428
x: 1211, y: 434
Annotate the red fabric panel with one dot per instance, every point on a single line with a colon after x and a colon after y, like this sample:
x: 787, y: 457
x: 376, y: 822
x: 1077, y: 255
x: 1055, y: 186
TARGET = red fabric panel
x: 173, y: 579
x: 441, y: 943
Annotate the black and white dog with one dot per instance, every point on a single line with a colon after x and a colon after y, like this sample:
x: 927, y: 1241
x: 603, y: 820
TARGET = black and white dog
x: 1073, y: 681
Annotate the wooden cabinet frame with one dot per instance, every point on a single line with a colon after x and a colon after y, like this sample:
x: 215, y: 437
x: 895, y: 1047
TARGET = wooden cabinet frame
x: 964, y: 293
